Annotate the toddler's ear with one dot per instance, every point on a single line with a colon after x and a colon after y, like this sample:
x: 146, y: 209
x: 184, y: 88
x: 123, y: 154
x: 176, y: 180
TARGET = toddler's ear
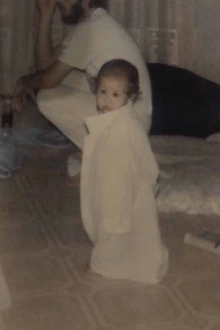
x: 132, y: 97
x: 93, y: 84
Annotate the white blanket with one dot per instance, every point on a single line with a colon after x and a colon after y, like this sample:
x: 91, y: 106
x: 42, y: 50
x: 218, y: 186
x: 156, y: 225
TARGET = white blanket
x: 189, y: 174
x: 118, y: 206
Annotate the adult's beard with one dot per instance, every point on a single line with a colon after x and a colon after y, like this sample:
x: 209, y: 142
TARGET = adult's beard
x: 75, y: 15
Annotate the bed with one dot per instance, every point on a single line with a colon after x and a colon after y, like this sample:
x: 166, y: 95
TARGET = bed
x: 185, y: 137
x: 189, y: 174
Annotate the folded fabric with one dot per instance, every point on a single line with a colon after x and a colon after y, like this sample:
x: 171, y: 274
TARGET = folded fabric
x: 11, y: 160
x: 42, y: 137
x: 214, y: 138
x: 4, y: 172
x: 8, y: 157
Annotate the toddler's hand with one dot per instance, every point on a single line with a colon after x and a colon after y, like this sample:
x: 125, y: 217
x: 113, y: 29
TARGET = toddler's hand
x: 19, y: 97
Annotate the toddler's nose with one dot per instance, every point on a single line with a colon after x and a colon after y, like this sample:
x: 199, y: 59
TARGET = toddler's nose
x: 107, y: 99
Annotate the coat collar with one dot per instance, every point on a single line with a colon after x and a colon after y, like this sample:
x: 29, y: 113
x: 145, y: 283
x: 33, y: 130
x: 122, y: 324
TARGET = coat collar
x: 99, y: 123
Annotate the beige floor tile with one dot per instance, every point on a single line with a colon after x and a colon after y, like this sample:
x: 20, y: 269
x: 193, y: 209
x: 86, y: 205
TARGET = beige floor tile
x: 215, y: 327
x: 49, y: 313
x: 19, y: 210
x: 202, y: 295
x: 2, y: 323
x: 34, y: 274
x: 139, y: 305
x: 45, y: 252
x: 26, y: 239
x: 193, y: 261
x: 71, y: 235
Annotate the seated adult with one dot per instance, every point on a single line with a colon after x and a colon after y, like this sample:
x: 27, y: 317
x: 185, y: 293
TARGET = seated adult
x: 65, y: 73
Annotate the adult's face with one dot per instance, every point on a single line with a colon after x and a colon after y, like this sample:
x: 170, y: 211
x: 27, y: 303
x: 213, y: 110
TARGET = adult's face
x: 71, y: 11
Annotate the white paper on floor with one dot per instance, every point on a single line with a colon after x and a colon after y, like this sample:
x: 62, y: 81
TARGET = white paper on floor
x: 73, y: 166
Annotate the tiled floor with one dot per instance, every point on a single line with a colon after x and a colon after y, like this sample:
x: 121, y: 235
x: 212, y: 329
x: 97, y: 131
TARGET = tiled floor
x: 44, y: 252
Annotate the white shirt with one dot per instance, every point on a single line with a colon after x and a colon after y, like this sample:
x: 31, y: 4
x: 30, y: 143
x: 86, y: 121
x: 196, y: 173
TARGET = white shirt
x: 99, y: 39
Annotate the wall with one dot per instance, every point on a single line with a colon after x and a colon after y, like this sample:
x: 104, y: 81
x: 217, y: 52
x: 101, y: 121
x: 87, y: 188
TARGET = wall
x: 164, y: 29
x: 185, y: 33
x: 207, y: 51
x: 17, y: 30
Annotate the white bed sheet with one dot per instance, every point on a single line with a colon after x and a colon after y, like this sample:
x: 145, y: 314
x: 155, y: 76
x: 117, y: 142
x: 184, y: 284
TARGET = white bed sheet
x: 189, y: 174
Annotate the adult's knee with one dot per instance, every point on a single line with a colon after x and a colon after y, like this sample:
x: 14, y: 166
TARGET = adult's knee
x: 43, y: 100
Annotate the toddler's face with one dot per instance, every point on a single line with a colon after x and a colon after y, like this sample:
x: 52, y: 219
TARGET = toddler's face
x: 111, y: 94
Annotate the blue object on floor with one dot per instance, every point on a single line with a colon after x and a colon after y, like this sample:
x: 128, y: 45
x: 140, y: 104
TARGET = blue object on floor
x: 10, y: 139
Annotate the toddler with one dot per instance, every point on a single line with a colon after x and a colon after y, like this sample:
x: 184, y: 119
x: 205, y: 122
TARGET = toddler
x: 118, y: 179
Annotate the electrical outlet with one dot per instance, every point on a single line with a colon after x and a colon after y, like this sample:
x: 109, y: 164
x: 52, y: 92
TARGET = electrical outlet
x: 162, y: 44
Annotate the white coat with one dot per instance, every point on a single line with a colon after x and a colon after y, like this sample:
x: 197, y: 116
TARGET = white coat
x: 118, y: 177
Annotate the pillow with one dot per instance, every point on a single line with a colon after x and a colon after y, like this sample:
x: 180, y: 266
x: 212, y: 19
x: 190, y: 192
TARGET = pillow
x: 190, y: 186
x: 189, y: 179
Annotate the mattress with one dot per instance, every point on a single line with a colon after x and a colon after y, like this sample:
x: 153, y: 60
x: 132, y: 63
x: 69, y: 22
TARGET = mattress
x: 189, y: 180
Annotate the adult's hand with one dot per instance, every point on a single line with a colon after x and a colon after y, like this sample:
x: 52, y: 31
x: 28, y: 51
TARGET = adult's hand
x: 46, y: 7
x: 21, y: 92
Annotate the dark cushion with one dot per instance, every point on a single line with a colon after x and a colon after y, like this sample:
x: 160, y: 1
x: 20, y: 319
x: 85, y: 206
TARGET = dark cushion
x: 183, y: 102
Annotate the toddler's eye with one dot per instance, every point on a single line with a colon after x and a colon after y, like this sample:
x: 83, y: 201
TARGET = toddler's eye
x: 101, y: 91
x: 115, y: 94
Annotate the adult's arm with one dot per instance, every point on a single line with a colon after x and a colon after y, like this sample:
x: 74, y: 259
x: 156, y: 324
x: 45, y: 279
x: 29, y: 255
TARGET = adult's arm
x: 46, y: 54
x: 43, y: 79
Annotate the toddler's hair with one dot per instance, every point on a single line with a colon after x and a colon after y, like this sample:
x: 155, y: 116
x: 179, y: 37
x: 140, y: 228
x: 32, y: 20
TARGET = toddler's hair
x: 98, y: 3
x: 120, y: 68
